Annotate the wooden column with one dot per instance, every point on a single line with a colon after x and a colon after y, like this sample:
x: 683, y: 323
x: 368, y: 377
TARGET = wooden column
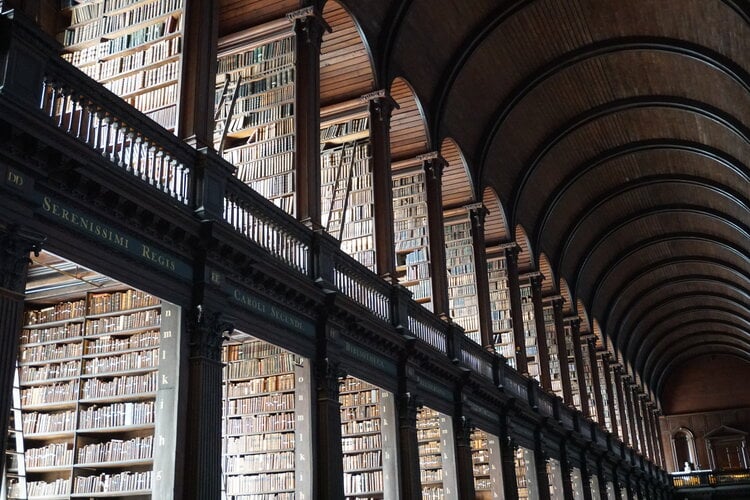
x: 639, y: 420
x: 596, y: 382
x: 625, y: 437
x: 540, y: 463
x: 464, y: 467
x: 508, y: 460
x: 610, y: 395
x: 478, y: 213
x: 541, y: 335
x: 198, y: 79
x: 202, y: 479
x: 575, y: 334
x: 308, y: 28
x: 562, y: 351
x: 408, y: 445
x: 566, y: 471
x: 328, y: 468
x: 15, y: 245
x: 657, y: 430
x: 629, y: 407
x: 514, y: 290
x: 433, y: 167
x: 381, y: 107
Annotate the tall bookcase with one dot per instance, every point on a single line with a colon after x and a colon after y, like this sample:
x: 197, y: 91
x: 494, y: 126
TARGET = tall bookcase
x: 553, y: 349
x: 502, y: 323
x: 529, y: 331
x: 485, y: 459
x: 133, y: 47
x: 437, y: 460
x: 523, y: 474
x: 266, y: 434
x: 555, y: 475
x: 570, y: 352
x: 255, y: 109
x: 588, y: 374
x: 411, y: 230
x: 461, y: 270
x: 368, y: 440
x: 91, y: 375
x: 346, y: 198
x: 13, y: 483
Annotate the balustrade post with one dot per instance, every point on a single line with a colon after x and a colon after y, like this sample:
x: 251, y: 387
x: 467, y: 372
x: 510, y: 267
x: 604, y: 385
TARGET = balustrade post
x: 206, y: 333
x: 15, y: 245
x: 324, y: 247
x: 209, y: 181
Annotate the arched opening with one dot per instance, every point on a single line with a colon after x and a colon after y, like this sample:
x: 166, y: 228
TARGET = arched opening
x: 683, y: 450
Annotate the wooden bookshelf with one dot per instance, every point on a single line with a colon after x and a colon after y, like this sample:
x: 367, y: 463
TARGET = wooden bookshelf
x: 266, y: 435
x: 553, y: 350
x: 461, y: 271
x: 255, y: 109
x: 486, y: 467
x: 523, y: 473
x: 368, y: 440
x: 132, y: 47
x: 588, y: 375
x: 13, y: 483
x: 411, y: 231
x: 500, y: 309
x: 89, y: 372
x: 347, y: 201
x: 437, y: 461
x: 529, y: 331
x: 571, y: 358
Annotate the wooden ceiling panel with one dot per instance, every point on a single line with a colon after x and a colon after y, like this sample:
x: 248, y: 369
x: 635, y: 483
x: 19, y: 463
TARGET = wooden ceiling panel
x: 458, y: 188
x: 345, y: 66
x: 495, y: 224
x: 237, y: 15
x: 408, y: 127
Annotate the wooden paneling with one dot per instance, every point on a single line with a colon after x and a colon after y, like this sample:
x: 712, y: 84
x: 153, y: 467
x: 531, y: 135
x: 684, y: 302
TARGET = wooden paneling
x: 408, y: 127
x: 457, y: 185
x: 236, y: 15
x: 495, y: 225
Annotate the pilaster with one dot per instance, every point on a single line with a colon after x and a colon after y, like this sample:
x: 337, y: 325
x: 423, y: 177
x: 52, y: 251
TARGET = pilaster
x: 541, y: 335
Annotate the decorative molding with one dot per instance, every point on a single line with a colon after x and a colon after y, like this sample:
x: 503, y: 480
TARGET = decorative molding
x: 16, y: 243
x: 207, y: 332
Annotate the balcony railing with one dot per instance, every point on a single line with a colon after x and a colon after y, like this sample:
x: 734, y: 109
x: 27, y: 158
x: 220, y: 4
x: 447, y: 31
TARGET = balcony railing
x: 711, y: 479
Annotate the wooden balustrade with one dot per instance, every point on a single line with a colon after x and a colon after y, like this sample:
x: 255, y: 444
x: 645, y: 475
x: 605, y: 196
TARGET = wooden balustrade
x: 427, y: 327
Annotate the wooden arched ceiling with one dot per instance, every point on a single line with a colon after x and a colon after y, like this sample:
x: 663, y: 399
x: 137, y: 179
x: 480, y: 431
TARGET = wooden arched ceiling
x: 409, y: 133
x: 616, y: 133
x: 495, y: 224
x: 346, y: 70
x: 458, y: 188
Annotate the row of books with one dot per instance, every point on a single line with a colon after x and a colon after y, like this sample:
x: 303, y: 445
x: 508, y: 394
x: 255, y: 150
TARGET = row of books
x: 141, y: 81
x: 365, y: 442
x: 255, y: 367
x: 134, y: 360
x: 115, y: 344
x: 124, y: 386
x: 340, y: 129
x: 253, y: 424
x: 254, y: 443
x: 271, y: 402
x: 251, y: 102
x: 118, y: 482
x: 359, y: 412
x: 52, y: 393
x: 255, y: 174
x: 41, y: 423
x: 261, y: 69
x: 51, y: 334
x: 254, y: 151
x: 261, y: 462
x: 116, y: 450
x: 260, y: 483
x: 256, y: 55
x: 158, y: 98
x: 54, y: 454
x: 252, y: 350
x: 60, y: 486
x: 50, y: 352
x: 111, y: 324
x: 49, y: 372
x: 116, y: 415
x: 85, y: 11
x: 240, y: 122
x: 259, y: 385
x: 364, y: 482
x: 58, y: 312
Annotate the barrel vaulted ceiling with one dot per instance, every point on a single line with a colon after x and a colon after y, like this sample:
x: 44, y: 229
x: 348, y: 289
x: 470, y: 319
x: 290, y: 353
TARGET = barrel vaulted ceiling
x: 615, y: 133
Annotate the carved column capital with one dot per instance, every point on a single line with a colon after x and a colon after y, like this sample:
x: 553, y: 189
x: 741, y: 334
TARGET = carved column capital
x: 15, y: 244
x: 310, y: 24
x: 328, y: 375
x: 478, y: 213
x: 381, y: 105
x: 207, y: 332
